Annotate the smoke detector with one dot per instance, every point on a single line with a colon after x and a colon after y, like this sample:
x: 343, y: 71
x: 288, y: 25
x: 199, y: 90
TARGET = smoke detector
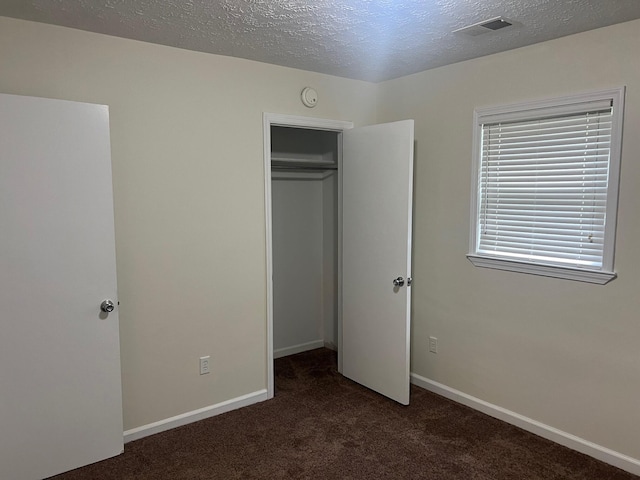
x: 309, y: 97
x: 486, y: 26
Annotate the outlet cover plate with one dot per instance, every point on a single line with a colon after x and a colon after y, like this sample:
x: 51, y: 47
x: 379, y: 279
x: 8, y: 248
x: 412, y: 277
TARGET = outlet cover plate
x: 204, y: 365
x: 433, y: 344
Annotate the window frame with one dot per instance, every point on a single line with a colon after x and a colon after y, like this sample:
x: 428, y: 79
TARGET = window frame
x: 536, y: 109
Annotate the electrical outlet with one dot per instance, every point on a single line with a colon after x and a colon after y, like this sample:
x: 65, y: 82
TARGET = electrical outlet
x: 204, y: 365
x: 433, y: 344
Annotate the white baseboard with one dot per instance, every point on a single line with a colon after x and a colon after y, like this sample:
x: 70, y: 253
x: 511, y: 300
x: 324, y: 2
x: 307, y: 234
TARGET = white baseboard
x: 581, y: 445
x: 303, y: 347
x: 195, y: 415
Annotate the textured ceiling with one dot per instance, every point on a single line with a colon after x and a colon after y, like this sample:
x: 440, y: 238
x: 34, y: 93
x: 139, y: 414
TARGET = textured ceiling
x: 370, y: 40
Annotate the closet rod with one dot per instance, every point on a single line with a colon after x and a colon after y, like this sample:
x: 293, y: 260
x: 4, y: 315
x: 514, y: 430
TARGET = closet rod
x: 305, y: 167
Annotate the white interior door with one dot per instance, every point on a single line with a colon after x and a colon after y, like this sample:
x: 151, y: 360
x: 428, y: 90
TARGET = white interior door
x: 377, y: 177
x: 60, y: 389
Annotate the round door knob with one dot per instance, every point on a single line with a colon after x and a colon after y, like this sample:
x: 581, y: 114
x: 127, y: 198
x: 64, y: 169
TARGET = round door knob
x: 398, y: 282
x: 107, y: 306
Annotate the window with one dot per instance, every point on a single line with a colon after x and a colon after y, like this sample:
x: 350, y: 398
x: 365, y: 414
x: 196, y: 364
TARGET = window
x: 545, y: 186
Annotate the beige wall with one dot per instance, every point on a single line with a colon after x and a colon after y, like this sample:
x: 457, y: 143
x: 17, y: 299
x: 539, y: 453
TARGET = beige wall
x: 298, y: 247
x: 187, y: 152
x: 561, y: 352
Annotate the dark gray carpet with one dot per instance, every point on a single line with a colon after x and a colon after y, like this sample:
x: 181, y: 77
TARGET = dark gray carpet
x: 323, y: 426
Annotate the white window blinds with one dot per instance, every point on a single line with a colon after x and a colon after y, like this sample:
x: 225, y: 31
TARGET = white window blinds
x: 542, y: 185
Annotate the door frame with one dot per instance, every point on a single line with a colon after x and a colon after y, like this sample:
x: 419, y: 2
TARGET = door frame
x: 311, y: 123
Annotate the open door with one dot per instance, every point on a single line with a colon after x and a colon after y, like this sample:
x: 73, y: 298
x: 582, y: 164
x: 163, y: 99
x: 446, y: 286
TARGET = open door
x: 61, y: 400
x: 377, y: 191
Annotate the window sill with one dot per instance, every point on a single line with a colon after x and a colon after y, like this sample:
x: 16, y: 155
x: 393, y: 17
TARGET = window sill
x: 580, y: 275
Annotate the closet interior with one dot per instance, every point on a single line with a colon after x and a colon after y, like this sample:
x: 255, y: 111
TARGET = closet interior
x: 304, y: 197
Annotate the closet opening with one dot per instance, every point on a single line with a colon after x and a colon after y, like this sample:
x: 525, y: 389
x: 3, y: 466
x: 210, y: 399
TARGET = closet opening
x: 304, y: 205
x: 303, y: 202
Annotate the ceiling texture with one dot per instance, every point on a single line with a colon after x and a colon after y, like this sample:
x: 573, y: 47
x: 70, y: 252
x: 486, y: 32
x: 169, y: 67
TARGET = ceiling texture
x: 372, y: 40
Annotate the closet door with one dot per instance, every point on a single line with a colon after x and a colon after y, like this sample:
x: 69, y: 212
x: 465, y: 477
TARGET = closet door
x: 377, y: 199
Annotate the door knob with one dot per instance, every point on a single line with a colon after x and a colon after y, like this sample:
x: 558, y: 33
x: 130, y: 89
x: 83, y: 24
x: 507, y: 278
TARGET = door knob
x: 398, y: 282
x: 107, y: 306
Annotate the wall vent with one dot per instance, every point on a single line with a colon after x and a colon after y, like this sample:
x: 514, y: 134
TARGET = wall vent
x: 485, y: 26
